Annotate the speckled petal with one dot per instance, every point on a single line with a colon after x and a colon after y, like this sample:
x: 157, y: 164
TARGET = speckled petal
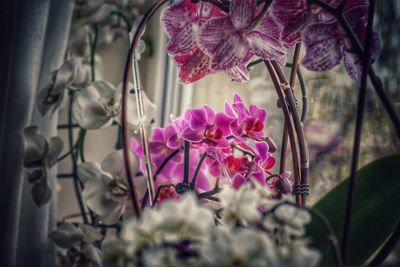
x: 243, y: 13
x: 193, y: 67
x: 230, y: 52
x: 323, y: 48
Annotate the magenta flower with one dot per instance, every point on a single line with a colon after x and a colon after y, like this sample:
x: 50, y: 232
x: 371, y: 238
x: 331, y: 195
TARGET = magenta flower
x: 229, y: 39
x: 326, y: 42
x: 241, y: 179
x: 244, y: 122
x: 228, y: 166
x: 164, y: 140
x: 203, y: 128
x: 182, y: 22
x: 264, y: 159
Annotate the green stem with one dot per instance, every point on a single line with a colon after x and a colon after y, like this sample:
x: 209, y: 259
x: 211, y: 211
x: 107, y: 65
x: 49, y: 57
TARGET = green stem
x: 81, y: 144
x: 66, y: 154
x: 121, y: 15
x: 196, y: 173
x: 93, y: 47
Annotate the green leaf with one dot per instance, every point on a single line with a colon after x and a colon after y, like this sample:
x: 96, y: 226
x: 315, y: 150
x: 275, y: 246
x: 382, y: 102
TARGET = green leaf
x: 375, y: 211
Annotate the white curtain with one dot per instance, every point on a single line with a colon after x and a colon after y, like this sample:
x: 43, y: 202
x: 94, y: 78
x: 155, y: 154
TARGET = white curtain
x: 33, y: 41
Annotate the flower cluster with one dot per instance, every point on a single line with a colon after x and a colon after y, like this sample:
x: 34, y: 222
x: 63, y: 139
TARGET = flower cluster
x: 224, y: 148
x: 182, y: 233
x: 205, y: 39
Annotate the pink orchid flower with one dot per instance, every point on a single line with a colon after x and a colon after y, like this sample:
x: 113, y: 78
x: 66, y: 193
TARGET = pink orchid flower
x: 182, y: 22
x: 229, y: 39
x: 244, y: 122
x: 326, y: 42
x: 164, y: 140
x: 264, y: 159
x: 241, y: 179
x: 203, y: 128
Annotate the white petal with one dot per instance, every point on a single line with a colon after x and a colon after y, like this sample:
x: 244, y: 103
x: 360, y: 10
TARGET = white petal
x: 64, y: 75
x: 90, y: 105
x: 114, y: 163
x: 56, y: 145
x: 88, y: 170
x: 35, y: 147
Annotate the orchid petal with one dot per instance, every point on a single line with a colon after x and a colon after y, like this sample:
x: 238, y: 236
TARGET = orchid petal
x: 197, y: 118
x: 192, y: 136
x: 323, y: 48
x: 36, y: 147
x: 114, y: 164
x: 262, y: 149
x: 238, y: 180
x: 258, y: 113
x: 213, y: 33
x: 193, y: 67
x: 243, y: 13
x: 89, y: 106
x: 264, y: 46
x: 223, y: 121
x: 184, y: 42
x: 230, y: 52
x: 56, y: 145
x: 177, y: 16
x: 239, y: 73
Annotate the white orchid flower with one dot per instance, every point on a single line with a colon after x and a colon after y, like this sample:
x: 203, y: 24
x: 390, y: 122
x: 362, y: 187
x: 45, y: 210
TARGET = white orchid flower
x: 99, y: 104
x: 105, y: 191
x: 240, y: 206
x: 71, y: 73
x: 78, y: 241
x: 241, y: 247
x: 289, y: 219
x: 40, y: 155
x: 96, y: 105
x: 172, y: 221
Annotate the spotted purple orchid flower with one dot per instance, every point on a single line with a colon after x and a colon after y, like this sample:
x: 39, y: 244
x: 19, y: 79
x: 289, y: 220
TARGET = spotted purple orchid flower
x: 229, y: 39
x: 182, y: 22
x: 327, y: 44
x: 293, y: 16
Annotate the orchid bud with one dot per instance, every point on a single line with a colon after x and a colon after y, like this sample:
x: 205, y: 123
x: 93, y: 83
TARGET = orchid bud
x: 284, y: 185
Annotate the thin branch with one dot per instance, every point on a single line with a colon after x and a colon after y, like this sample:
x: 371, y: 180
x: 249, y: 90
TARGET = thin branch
x: 210, y: 193
x: 196, y: 173
x: 77, y: 183
x: 186, y: 162
x: 161, y: 187
x: 358, y: 132
x: 303, y: 149
x: 278, y: 89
